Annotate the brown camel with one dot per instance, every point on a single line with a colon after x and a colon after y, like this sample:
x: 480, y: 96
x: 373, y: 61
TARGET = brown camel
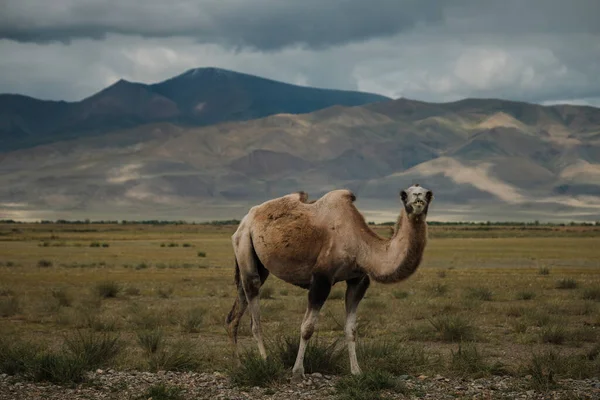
x: 316, y: 244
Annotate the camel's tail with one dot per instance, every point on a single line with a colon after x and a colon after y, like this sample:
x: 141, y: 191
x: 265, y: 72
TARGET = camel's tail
x: 233, y: 311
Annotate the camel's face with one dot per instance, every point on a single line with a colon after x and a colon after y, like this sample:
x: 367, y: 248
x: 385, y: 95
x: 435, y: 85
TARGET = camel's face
x: 416, y: 199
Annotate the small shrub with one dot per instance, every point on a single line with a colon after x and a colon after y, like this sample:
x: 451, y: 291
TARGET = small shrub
x: 16, y: 357
x: 142, y: 265
x: 173, y: 244
x: 554, y: 334
x: 59, y: 368
x: 62, y: 297
x: 45, y: 263
x: 108, y: 289
x: 161, y: 391
x: 95, y: 244
x: 162, y: 245
x: 10, y: 264
x: 591, y: 294
x: 480, y: 293
x: 201, y: 254
x: 266, y: 293
x: 254, y: 371
x: 400, y: 294
x: 566, y: 283
x: 319, y: 356
x: 105, y: 245
x: 525, y: 295
x: 544, y: 271
x: 368, y: 385
x: 187, y: 245
x: 453, y: 328
x: 93, y: 349
x: 150, y: 340
x: 192, y: 320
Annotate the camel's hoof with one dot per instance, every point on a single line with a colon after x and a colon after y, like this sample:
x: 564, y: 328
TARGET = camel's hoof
x: 356, y: 372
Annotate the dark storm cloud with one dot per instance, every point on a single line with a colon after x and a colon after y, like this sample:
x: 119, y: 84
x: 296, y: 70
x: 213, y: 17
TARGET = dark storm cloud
x: 273, y: 24
x: 261, y: 24
x: 434, y: 50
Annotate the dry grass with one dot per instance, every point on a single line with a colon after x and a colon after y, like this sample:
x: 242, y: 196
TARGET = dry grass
x: 101, y: 290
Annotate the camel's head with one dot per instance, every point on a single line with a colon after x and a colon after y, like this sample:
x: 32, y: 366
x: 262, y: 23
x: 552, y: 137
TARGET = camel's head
x: 416, y: 200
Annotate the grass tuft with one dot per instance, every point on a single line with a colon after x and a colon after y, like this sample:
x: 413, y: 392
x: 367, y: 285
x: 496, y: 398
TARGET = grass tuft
x: 177, y: 356
x: 480, y: 293
x: 452, y: 328
x: 45, y: 263
x: 62, y: 297
x: 319, y: 356
x: 108, y: 289
x: 150, y: 340
x: 368, y: 386
x: 202, y: 254
x: 566, y: 283
x: 525, y: 295
x: 9, y: 306
x: 554, y: 334
x: 467, y: 361
x: 94, y: 349
x: 544, y: 271
x: 394, y: 357
x: 161, y: 391
x: 254, y: 371
x: 192, y: 320
x: 592, y: 293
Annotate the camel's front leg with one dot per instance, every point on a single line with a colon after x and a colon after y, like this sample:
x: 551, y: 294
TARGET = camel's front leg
x: 320, y: 287
x: 355, y: 291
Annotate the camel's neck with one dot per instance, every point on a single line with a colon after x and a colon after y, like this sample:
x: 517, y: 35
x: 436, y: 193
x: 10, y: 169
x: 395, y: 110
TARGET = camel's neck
x: 396, y: 259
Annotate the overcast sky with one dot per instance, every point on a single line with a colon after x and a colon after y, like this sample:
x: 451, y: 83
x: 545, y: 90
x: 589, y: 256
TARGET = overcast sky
x: 544, y: 51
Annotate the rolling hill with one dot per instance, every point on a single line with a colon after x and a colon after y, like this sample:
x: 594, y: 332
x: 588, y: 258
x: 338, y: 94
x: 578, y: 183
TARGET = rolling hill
x: 485, y: 159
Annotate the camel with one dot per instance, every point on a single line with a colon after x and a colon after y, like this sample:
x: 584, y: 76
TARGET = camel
x: 315, y: 244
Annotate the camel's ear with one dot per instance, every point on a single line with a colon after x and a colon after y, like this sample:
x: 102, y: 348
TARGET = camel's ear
x: 403, y: 196
x: 429, y: 196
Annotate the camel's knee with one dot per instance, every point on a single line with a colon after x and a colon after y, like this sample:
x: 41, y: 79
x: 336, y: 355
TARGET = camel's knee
x: 251, y: 285
x: 307, y: 330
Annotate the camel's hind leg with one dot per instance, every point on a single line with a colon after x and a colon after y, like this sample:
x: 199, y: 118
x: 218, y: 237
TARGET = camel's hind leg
x: 237, y: 312
x: 320, y: 287
x: 355, y: 291
x: 252, y: 275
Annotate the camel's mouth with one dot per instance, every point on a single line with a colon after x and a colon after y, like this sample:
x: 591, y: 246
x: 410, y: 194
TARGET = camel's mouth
x: 418, y: 206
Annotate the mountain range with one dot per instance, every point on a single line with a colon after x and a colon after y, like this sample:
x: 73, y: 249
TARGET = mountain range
x: 484, y: 159
x: 200, y: 96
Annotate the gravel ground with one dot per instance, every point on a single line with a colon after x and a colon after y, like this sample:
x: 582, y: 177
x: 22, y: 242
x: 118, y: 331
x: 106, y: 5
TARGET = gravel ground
x: 133, y: 385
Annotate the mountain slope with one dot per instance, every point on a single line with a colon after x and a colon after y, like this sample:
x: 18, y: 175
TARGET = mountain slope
x: 198, y: 97
x: 484, y: 159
